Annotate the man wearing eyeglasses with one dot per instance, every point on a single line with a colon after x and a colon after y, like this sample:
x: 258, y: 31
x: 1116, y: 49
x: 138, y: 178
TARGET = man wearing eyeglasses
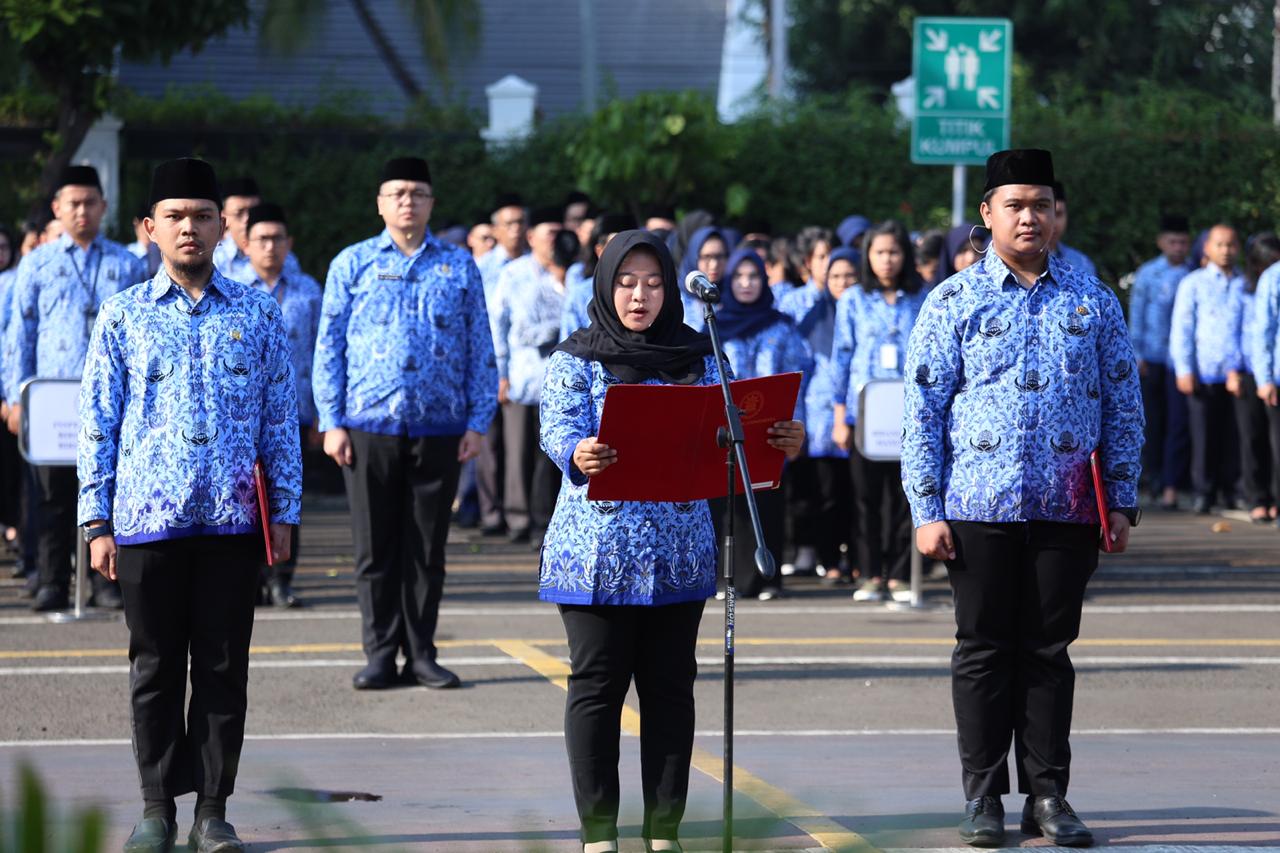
x: 298, y: 295
x: 231, y: 255
x: 405, y: 385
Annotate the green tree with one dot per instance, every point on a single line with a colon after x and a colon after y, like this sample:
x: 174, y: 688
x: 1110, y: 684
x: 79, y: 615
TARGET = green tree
x: 443, y: 25
x: 71, y: 47
x: 1073, y: 49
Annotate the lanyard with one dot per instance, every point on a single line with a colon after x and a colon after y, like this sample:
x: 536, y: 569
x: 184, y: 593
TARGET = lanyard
x: 90, y: 287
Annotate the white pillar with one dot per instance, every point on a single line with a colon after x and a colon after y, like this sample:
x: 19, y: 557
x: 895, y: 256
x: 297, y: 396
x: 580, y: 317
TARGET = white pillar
x: 101, y: 150
x: 744, y: 62
x: 512, y: 101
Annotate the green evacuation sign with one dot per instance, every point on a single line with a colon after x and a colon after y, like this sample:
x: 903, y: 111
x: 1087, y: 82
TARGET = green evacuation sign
x: 961, y: 68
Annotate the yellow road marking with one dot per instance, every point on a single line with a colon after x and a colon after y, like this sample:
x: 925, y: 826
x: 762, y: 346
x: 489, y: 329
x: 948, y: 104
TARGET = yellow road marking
x: 330, y: 648
x: 807, y: 819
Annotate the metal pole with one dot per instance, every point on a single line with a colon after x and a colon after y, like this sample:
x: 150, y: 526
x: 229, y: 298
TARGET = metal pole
x: 777, y: 49
x: 957, y: 195
x: 82, y: 580
x: 917, y: 576
x: 730, y: 607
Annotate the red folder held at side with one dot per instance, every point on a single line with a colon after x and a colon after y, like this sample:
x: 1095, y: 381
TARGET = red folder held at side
x: 665, y: 436
x: 1104, y: 515
x: 264, y: 512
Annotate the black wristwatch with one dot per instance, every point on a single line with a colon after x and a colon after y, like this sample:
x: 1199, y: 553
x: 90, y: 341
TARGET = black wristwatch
x: 1133, y: 513
x: 92, y: 533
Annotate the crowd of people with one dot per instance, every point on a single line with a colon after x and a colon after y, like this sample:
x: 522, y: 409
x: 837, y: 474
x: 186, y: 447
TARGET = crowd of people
x: 457, y: 378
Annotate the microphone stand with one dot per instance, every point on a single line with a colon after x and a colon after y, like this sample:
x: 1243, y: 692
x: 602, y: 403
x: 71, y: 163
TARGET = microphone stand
x: 731, y: 438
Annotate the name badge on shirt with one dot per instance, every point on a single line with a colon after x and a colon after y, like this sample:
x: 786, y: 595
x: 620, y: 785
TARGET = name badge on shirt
x: 888, y: 356
x: 389, y: 276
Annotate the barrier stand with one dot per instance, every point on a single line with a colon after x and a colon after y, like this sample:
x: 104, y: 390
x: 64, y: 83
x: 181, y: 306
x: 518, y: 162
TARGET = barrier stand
x: 50, y: 428
x: 878, y: 436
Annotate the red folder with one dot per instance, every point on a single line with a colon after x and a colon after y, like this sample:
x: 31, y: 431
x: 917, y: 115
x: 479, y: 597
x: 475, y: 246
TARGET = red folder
x: 264, y: 512
x: 665, y: 436
x: 1095, y: 466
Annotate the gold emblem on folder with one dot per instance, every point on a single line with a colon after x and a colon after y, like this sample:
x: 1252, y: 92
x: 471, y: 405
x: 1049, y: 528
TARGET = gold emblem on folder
x: 1082, y: 311
x: 235, y: 334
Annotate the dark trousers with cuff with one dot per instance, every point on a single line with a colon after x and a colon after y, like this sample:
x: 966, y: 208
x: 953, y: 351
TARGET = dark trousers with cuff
x: 884, y: 546
x: 491, y: 474
x: 608, y: 647
x: 56, y: 491
x: 747, y: 580
x: 1273, y: 423
x: 1177, y: 434
x: 532, y: 479
x: 1213, y: 439
x: 401, y: 493
x: 1256, y: 461
x: 820, y: 495
x: 1018, y: 590
x: 189, y: 599
x: 1155, y: 409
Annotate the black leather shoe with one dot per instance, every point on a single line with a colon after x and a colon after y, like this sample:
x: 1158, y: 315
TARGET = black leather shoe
x: 1054, y: 818
x: 152, y: 835
x: 433, y: 675
x: 282, y: 595
x: 375, y: 676
x: 49, y: 598
x: 983, y: 824
x: 214, y: 836
x: 107, y: 597
x: 1203, y: 505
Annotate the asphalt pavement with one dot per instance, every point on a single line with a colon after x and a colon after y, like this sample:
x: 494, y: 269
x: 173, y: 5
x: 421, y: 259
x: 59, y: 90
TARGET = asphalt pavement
x: 843, y: 733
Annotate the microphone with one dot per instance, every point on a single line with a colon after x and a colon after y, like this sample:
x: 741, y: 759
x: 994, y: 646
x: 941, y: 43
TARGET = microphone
x: 701, y: 287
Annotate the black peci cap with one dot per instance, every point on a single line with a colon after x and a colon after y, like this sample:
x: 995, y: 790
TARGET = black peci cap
x: 1032, y: 166
x: 79, y: 176
x: 1174, y: 223
x: 241, y: 186
x: 185, y: 177
x: 543, y: 215
x: 265, y: 212
x: 406, y: 169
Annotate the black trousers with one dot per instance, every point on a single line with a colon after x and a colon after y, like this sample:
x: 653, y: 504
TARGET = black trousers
x: 490, y: 474
x: 1018, y: 590
x: 747, y: 580
x: 608, y: 647
x: 1213, y: 463
x: 57, y: 489
x: 11, y: 477
x: 532, y: 480
x: 820, y: 496
x: 1177, y: 434
x: 401, y: 494
x: 1155, y: 410
x: 884, y: 546
x: 1256, y: 461
x: 1273, y: 422
x: 189, y: 597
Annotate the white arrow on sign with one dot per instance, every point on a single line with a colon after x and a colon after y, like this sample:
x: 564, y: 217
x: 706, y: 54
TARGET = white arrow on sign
x: 936, y: 39
x: 989, y: 41
x: 988, y: 96
x: 935, y: 96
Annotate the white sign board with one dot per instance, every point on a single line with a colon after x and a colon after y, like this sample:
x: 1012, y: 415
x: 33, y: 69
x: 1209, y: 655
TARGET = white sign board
x: 50, y: 421
x: 878, y: 430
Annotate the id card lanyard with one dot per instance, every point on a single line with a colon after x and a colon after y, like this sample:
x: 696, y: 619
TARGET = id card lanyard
x: 89, y: 287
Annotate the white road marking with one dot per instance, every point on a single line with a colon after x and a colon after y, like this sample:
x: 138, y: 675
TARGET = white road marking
x: 939, y: 661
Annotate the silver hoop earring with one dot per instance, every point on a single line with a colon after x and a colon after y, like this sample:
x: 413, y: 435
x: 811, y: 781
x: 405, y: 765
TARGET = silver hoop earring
x: 976, y: 250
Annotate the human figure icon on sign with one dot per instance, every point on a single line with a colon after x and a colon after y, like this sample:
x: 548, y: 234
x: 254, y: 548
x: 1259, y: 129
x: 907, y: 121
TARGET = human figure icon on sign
x: 952, y: 67
x: 971, y: 65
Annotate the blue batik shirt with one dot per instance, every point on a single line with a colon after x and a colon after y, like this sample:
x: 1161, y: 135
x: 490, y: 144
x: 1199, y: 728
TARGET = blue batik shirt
x: 871, y: 341
x: 8, y: 283
x: 1247, y: 306
x: 1151, y: 308
x: 777, y: 348
x: 1207, y: 325
x: 178, y: 401
x: 526, y: 323
x: 299, y: 298
x: 56, y: 299
x: 232, y: 262
x: 614, y: 552
x: 814, y: 316
x: 490, y: 265
x: 1078, y: 259
x: 1010, y: 389
x: 578, y: 293
x: 1266, y: 337
x: 404, y: 346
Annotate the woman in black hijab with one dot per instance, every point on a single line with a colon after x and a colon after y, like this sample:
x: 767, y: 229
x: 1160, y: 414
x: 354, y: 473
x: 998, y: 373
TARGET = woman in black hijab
x: 630, y: 578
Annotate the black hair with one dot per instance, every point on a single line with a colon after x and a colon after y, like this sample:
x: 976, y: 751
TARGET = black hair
x: 15, y: 247
x: 809, y: 237
x: 1263, y: 251
x: 930, y: 246
x: 908, y: 279
x: 564, y: 249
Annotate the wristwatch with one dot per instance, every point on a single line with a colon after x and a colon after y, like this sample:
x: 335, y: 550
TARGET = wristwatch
x: 92, y: 533
x: 1133, y: 513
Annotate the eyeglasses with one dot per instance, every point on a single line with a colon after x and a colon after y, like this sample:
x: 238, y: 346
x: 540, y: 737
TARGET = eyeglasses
x: 415, y: 196
x: 273, y: 240
x: 719, y: 256
x: 511, y: 223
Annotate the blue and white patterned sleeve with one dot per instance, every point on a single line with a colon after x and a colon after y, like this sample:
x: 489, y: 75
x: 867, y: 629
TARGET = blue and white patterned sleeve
x: 1139, y: 296
x: 329, y: 370
x: 278, y: 445
x: 1120, y: 436
x: 1182, y: 331
x: 788, y: 354
x: 933, y: 370
x: 567, y: 412
x: 502, y: 322
x: 102, y: 390
x: 1266, y: 305
x: 482, y: 372
x: 843, y: 346
x: 23, y: 327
